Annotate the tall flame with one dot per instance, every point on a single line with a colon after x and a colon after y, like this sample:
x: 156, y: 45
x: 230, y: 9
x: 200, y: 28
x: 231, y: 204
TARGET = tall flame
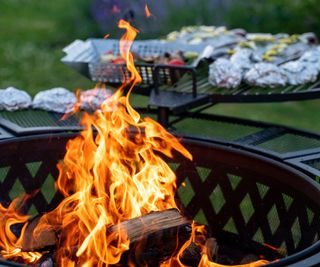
x: 107, y: 176
x: 113, y: 176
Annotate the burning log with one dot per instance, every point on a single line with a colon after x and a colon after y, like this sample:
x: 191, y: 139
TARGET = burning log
x: 154, y: 237
x: 38, y: 239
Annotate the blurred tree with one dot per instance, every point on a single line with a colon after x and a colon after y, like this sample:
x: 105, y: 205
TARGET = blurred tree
x: 292, y: 16
x: 167, y: 15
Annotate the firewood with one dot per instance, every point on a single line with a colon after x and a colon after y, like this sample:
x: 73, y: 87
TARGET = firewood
x: 154, y: 237
x: 37, y: 241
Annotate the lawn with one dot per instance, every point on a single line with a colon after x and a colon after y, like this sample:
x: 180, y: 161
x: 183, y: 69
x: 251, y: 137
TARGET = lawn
x: 33, y: 33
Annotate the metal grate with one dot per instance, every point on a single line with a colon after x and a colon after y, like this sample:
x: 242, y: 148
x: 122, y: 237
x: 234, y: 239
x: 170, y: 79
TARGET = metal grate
x: 214, y: 129
x: 84, y: 57
x: 245, y: 92
x: 28, y: 121
x: 290, y: 143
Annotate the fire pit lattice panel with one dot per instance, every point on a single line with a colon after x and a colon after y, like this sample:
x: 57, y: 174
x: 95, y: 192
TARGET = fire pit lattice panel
x: 30, y: 171
x: 244, y: 199
x: 247, y: 203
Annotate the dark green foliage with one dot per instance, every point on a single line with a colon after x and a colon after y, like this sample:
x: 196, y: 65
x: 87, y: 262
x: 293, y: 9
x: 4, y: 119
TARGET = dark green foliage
x: 292, y: 16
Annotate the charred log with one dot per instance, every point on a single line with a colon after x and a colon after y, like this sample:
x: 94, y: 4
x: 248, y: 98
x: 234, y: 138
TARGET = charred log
x: 154, y: 237
x: 35, y: 239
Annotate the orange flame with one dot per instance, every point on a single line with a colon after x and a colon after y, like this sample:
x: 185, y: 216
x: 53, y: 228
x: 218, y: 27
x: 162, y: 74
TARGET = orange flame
x: 198, y: 237
x: 110, y: 177
x: 107, y: 176
x: 10, y: 244
x: 147, y: 11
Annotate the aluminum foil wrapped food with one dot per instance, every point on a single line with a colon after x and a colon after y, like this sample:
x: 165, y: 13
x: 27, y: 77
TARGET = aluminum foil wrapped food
x: 222, y: 73
x: 93, y: 98
x: 266, y: 75
x: 300, y: 72
x: 216, y: 36
x: 279, y: 48
x: 14, y: 99
x: 312, y: 57
x: 56, y: 99
x: 242, y: 59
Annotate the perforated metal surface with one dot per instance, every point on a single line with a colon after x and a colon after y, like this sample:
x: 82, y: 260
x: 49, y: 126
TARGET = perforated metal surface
x: 30, y: 121
x: 85, y: 58
x: 277, y: 140
x: 217, y: 129
x: 289, y: 143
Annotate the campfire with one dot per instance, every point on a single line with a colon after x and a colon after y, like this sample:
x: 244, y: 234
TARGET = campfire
x: 119, y: 204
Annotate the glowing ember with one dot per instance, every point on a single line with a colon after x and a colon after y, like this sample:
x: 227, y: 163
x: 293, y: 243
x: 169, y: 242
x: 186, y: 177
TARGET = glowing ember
x: 114, y: 175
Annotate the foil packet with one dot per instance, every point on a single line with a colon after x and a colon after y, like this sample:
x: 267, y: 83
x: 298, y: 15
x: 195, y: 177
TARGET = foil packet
x: 266, y: 75
x: 56, y: 99
x: 242, y: 59
x: 300, y: 72
x: 93, y: 98
x: 222, y: 73
x: 312, y: 57
x: 12, y: 99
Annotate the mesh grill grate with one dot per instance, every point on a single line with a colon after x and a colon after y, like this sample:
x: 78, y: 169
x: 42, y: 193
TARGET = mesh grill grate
x: 245, y: 92
x: 37, y: 118
x: 290, y: 143
x: 29, y: 118
x: 216, y: 129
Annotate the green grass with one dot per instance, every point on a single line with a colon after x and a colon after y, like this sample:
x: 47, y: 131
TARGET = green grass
x: 33, y: 32
x: 304, y: 114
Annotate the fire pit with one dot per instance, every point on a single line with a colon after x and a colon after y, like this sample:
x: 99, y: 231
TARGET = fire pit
x: 117, y: 203
x: 252, y: 204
